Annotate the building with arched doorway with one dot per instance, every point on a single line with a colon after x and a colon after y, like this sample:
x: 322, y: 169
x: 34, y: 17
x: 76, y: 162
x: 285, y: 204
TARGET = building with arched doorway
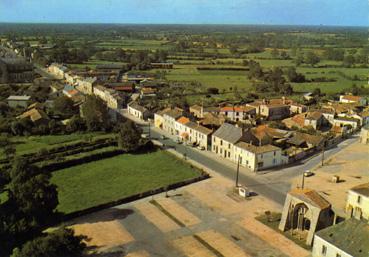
x: 305, y: 212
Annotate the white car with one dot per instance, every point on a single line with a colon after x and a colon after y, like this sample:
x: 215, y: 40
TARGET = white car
x: 202, y: 148
x: 308, y: 173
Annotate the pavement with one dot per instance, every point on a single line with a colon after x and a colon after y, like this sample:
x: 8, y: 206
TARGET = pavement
x: 200, y: 220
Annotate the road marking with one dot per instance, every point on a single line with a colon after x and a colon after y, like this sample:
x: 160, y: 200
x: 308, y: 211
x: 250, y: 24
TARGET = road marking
x: 156, y: 217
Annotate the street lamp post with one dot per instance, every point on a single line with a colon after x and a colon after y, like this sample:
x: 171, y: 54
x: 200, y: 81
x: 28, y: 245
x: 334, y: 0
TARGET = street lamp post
x: 238, y: 170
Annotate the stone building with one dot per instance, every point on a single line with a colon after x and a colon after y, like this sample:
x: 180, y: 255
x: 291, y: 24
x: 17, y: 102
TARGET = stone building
x: 305, y: 212
x: 15, y: 70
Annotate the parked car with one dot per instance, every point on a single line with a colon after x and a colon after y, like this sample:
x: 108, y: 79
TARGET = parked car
x: 308, y: 173
x: 179, y: 141
x: 163, y: 137
x: 202, y: 148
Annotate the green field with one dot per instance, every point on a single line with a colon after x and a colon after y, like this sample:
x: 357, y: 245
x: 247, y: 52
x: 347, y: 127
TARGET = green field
x: 137, y: 44
x: 209, y: 78
x: 32, y: 144
x: 88, y: 185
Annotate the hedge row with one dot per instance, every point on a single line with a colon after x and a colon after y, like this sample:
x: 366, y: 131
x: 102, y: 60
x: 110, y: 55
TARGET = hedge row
x: 50, y: 167
x: 46, y: 153
x: 224, y: 68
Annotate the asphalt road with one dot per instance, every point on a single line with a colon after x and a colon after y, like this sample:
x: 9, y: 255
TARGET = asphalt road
x: 274, y: 185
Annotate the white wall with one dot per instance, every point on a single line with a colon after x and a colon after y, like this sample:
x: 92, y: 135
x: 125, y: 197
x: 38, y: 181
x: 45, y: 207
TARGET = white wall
x: 331, y: 251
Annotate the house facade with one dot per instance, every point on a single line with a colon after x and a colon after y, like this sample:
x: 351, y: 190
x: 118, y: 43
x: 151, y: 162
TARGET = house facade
x: 258, y: 157
x: 137, y: 111
x: 198, y: 134
x: 18, y: 101
x: 223, y: 140
x: 86, y: 85
x: 357, y: 205
x: 238, y: 113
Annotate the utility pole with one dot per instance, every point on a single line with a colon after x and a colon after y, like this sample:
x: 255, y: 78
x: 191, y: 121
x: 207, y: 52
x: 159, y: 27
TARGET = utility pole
x: 238, y: 170
x: 149, y: 130
x: 303, y: 181
x: 323, y: 155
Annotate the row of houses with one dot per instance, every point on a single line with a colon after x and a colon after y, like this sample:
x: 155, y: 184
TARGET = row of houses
x: 256, y: 148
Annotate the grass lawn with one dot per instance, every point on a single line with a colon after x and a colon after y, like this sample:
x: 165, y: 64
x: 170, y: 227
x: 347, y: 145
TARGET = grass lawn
x: 94, y: 183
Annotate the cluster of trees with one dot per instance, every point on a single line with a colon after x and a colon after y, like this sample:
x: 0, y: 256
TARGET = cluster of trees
x: 349, y: 58
x: 271, y: 81
x: 309, y: 58
x: 30, y: 207
x: 140, y: 59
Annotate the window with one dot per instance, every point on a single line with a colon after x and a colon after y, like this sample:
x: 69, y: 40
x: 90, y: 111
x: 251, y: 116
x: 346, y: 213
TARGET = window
x: 229, y: 146
x: 324, y: 250
x: 274, y: 153
x: 338, y: 255
x: 229, y: 154
x: 221, y: 142
x: 358, y: 199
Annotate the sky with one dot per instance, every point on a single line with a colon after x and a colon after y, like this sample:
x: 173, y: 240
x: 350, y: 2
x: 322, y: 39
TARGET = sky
x: 278, y: 12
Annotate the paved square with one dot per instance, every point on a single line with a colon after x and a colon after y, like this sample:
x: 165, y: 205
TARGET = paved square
x: 156, y: 217
x: 138, y: 254
x: 180, y: 213
x: 192, y: 247
x: 275, y: 239
x: 222, y: 244
x: 104, y: 234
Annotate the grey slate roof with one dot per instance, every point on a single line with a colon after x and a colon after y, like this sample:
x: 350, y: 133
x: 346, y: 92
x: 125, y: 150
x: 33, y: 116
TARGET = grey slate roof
x: 362, y: 189
x: 229, y: 133
x: 137, y: 107
x: 351, y: 236
x: 199, y: 128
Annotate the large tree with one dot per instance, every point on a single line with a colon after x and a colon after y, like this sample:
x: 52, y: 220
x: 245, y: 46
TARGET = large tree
x: 64, y: 106
x: 95, y: 113
x: 60, y: 243
x: 129, y: 136
x: 29, y: 207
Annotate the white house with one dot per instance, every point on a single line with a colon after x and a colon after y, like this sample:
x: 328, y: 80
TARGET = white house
x: 357, y: 204
x: 137, y: 111
x: 258, y: 157
x: 349, y: 238
x: 57, y: 70
x: 353, y: 99
x: 223, y: 140
x: 198, y: 134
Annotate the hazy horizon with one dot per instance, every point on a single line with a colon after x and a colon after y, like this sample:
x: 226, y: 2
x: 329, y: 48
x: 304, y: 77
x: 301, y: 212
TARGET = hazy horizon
x: 191, y: 12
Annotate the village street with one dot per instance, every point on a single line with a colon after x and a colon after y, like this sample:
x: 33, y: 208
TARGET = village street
x: 272, y: 184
